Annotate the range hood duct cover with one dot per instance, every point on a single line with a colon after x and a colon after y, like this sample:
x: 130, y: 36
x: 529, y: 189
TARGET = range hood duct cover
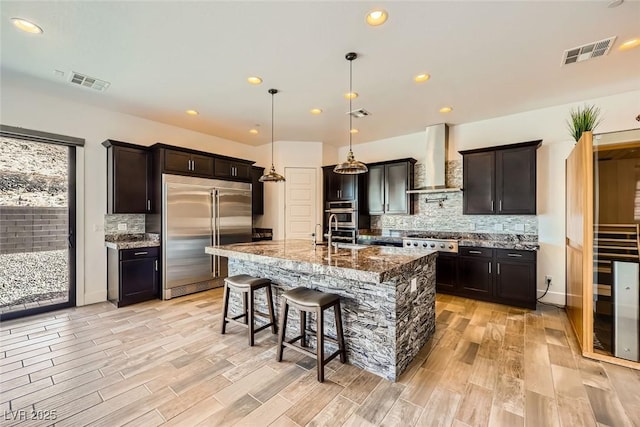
x: 435, y: 160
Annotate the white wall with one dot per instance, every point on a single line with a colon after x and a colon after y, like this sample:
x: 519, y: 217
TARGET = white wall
x: 24, y: 107
x: 549, y: 124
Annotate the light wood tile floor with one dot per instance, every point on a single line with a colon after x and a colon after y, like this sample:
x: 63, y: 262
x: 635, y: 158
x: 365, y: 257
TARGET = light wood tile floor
x: 166, y: 363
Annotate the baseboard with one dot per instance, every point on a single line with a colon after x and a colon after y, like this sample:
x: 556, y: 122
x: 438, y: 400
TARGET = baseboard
x: 555, y: 298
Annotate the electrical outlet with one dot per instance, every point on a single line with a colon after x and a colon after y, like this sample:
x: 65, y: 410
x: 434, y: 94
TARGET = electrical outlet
x: 547, y: 279
x: 498, y: 227
x: 472, y: 226
x: 518, y: 227
x: 414, y: 284
x: 122, y: 226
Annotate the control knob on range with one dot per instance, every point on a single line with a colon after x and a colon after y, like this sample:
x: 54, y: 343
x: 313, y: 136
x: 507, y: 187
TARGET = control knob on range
x: 415, y: 243
x: 424, y: 244
x: 408, y: 244
x: 450, y: 246
x: 442, y: 245
x: 433, y: 245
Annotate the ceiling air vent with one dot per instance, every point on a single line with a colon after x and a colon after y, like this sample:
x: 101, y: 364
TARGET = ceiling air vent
x: 359, y: 113
x: 89, y: 82
x: 587, y: 51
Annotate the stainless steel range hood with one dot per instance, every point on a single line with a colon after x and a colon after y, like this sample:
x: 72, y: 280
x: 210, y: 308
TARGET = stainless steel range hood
x: 434, y: 161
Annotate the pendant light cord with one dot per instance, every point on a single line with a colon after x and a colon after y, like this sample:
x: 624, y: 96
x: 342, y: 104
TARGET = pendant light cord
x: 272, y: 94
x: 350, y: 99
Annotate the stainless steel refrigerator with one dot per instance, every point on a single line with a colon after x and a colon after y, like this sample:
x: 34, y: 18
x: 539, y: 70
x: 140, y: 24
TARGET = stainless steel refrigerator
x: 199, y: 212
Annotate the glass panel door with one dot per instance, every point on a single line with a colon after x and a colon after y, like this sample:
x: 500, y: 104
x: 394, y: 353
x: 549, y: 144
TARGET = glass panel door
x: 37, y: 219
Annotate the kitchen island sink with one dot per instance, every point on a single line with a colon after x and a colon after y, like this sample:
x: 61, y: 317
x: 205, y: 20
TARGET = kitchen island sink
x: 387, y: 294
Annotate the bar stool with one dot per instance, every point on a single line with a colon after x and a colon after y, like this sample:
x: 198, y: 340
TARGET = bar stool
x: 247, y: 285
x: 310, y: 301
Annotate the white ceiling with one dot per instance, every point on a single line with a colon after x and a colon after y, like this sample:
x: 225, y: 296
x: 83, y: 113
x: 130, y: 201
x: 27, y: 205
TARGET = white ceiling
x: 486, y: 59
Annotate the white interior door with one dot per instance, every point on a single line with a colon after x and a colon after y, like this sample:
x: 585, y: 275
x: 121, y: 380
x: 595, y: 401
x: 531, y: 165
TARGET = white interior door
x: 300, y: 202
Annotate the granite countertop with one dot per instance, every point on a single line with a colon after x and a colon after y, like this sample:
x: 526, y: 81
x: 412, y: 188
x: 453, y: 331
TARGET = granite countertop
x: 528, y: 242
x: 131, y: 241
x: 372, y: 264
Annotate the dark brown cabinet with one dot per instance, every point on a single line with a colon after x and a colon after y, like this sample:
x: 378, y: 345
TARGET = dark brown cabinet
x: 338, y: 186
x: 504, y: 276
x: 500, y: 180
x: 187, y: 163
x: 232, y: 169
x: 129, y: 188
x: 475, y: 272
x: 387, y: 185
x: 132, y: 275
x: 257, y: 191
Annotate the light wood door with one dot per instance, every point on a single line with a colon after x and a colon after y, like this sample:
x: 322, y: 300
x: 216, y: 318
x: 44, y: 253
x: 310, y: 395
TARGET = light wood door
x: 579, y: 240
x: 300, y: 202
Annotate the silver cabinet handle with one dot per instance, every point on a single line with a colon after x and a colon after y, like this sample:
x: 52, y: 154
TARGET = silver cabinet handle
x: 140, y: 253
x: 515, y: 255
x: 489, y: 267
x: 156, y: 265
x: 492, y: 206
x: 498, y: 268
x: 475, y: 252
x: 500, y: 205
x: 148, y: 205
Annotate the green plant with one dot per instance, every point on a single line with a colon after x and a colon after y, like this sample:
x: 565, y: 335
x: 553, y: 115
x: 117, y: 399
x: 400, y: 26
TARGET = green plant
x: 583, y: 120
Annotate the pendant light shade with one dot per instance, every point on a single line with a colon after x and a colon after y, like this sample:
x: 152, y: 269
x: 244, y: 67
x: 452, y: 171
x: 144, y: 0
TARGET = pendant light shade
x: 351, y: 166
x: 272, y: 175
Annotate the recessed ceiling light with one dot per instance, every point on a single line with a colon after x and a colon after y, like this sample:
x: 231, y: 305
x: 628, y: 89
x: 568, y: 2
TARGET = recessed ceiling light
x: 421, y: 78
x: 629, y: 44
x: 615, y: 3
x: 446, y: 109
x: 254, y: 80
x: 253, y: 131
x: 192, y: 112
x: 316, y: 111
x: 354, y: 130
x: 26, y: 26
x: 377, y: 17
x: 351, y: 95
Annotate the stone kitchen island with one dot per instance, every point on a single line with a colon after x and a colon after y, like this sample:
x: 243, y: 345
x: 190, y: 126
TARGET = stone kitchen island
x: 387, y: 294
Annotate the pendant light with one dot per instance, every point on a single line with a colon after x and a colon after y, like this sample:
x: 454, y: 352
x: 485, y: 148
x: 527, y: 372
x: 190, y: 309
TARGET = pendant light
x: 272, y: 176
x: 351, y: 166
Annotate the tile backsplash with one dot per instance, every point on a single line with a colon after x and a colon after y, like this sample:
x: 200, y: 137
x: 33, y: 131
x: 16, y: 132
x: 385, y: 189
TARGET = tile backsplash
x: 135, y: 223
x: 447, y: 216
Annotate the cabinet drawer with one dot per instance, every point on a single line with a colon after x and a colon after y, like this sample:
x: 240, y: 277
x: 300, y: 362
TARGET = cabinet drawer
x: 127, y: 254
x: 515, y: 255
x: 478, y: 252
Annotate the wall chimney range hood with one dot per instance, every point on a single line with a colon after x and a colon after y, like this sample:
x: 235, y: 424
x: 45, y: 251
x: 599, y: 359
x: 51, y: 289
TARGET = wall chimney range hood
x: 434, y: 161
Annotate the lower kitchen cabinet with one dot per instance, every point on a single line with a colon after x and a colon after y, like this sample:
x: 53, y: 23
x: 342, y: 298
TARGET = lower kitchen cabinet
x: 497, y: 275
x: 132, y: 275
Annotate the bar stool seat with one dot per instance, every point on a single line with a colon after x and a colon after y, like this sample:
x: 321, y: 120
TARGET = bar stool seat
x: 311, y: 301
x: 247, y: 286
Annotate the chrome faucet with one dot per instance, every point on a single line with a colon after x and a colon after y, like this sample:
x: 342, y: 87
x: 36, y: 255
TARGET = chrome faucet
x: 329, y: 234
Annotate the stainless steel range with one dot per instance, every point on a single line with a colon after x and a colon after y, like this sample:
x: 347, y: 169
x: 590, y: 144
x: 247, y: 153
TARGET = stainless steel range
x: 440, y: 245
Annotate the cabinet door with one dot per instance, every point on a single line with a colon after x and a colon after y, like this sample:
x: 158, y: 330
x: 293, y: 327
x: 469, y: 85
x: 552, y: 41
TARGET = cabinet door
x: 348, y: 186
x: 257, y: 191
x: 222, y: 168
x: 331, y: 185
x: 242, y: 171
x: 177, y: 161
x: 131, y: 174
x: 396, y: 186
x: 138, y: 280
x: 479, y: 183
x: 446, y: 272
x: 515, y: 282
x: 475, y: 275
x: 202, y: 165
x: 375, y: 190
x: 516, y: 181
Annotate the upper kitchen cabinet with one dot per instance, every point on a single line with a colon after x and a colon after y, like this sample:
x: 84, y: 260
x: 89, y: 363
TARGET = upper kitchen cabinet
x: 184, y: 162
x: 387, y: 185
x: 337, y: 186
x: 129, y: 188
x: 500, y: 180
x: 234, y: 169
x: 257, y: 191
